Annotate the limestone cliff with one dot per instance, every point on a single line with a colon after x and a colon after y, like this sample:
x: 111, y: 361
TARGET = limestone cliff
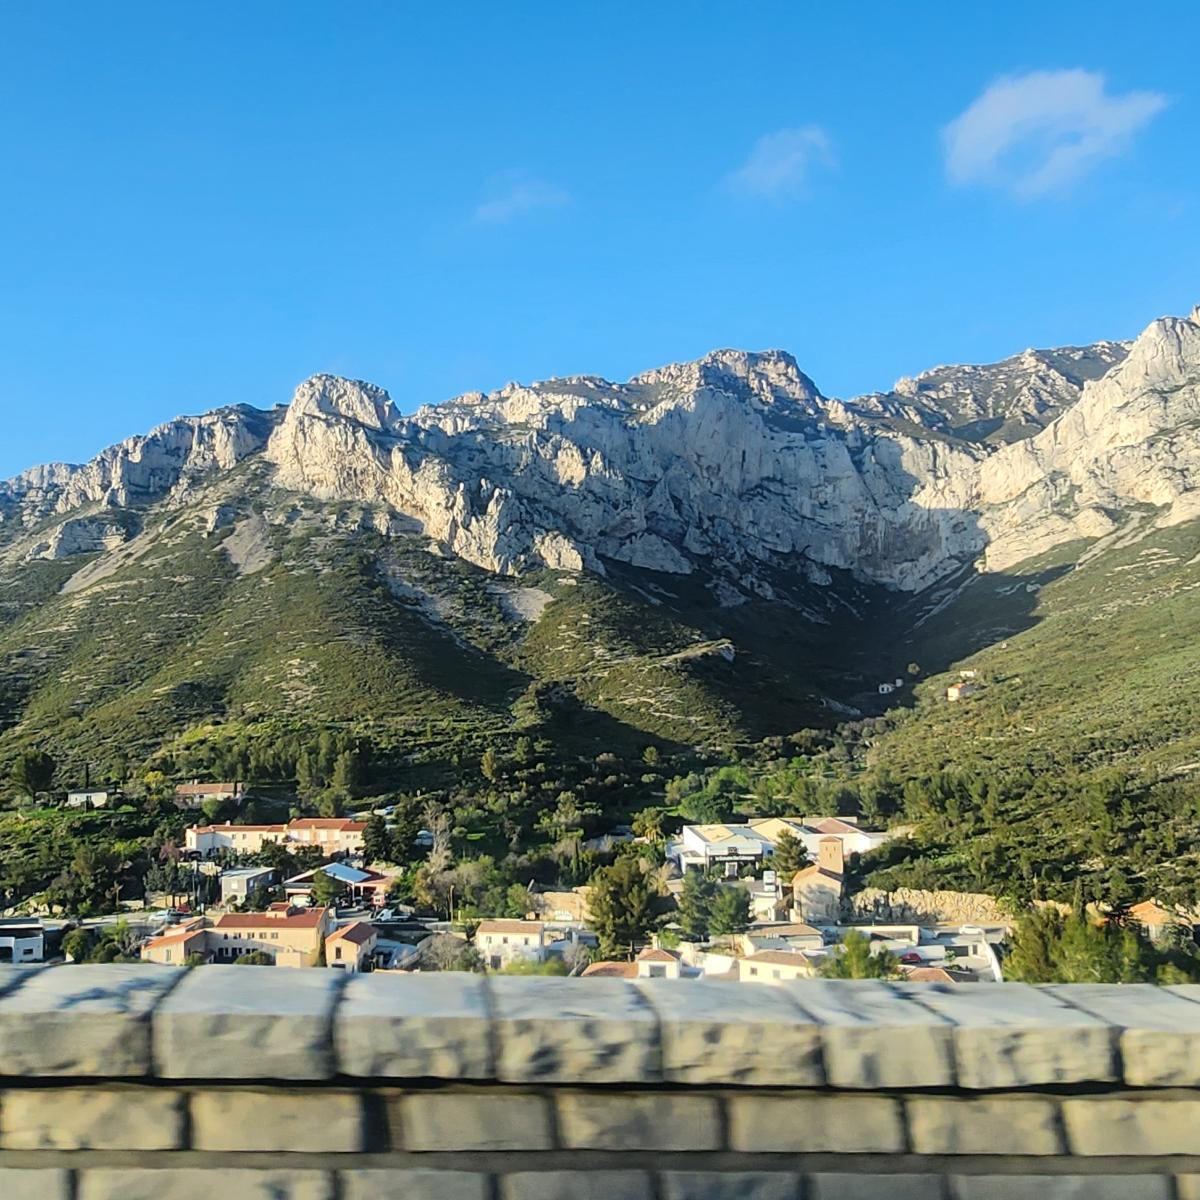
x: 733, y: 467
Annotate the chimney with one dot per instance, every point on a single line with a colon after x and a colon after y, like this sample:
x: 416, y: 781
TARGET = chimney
x: 830, y: 856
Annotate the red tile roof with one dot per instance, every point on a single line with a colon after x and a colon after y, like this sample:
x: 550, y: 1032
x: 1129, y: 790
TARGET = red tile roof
x: 652, y: 955
x: 304, y: 918
x: 619, y: 970
x: 342, y: 823
x: 360, y: 933
x: 780, y: 958
x: 510, y: 927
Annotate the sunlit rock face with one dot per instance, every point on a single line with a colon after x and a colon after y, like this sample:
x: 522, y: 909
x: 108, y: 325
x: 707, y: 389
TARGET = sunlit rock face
x: 733, y: 465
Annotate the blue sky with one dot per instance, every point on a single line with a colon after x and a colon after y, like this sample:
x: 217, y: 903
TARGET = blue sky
x: 203, y: 203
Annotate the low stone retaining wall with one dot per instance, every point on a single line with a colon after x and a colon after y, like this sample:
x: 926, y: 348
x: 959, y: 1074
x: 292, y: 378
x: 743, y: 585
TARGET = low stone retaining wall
x: 922, y: 907
x: 145, y: 1083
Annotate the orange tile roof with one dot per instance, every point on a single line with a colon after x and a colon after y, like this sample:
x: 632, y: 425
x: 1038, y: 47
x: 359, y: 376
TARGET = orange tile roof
x: 780, y: 958
x: 510, y: 927
x: 791, y: 929
x: 342, y: 823
x: 360, y: 933
x: 816, y: 869
x: 305, y: 918
x: 247, y: 828
x: 657, y: 955
x: 931, y: 975
x: 178, y: 934
x: 619, y: 970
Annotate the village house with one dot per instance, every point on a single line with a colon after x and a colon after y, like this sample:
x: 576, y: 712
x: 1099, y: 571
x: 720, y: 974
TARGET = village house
x: 775, y: 966
x: 362, y: 885
x: 240, y: 883
x: 734, y: 844
x: 90, y: 798
x: 651, y: 963
x: 960, y: 691
x: 817, y: 889
x: 293, y: 937
x: 352, y: 947
x: 334, y: 835
x: 22, y: 940
x: 1157, y: 920
x: 787, y: 935
x: 194, y: 795
x: 500, y: 942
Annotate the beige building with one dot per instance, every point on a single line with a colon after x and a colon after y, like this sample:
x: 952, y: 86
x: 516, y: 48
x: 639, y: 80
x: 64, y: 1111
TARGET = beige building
x: 293, y: 937
x: 193, y: 795
x: 500, y: 942
x: 651, y: 963
x: 334, y: 835
x: 351, y: 947
x: 774, y: 967
x: 817, y: 889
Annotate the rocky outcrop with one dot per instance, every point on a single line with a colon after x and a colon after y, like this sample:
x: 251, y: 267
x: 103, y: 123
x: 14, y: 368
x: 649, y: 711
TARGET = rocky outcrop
x: 734, y: 467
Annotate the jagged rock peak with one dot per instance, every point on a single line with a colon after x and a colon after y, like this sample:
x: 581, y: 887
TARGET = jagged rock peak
x: 353, y: 399
x: 770, y: 374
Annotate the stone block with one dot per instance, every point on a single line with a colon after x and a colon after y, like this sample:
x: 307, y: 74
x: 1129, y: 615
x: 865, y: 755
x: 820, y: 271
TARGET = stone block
x: 100, y: 1118
x: 983, y: 1125
x: 1136, y: 1126
x: 35, y: 1183
x: 82, y: 1020
x: 730, y: 1185
x: 576, y: 1185
x: 639, y: 1121
x: 199, y: 1183
x: 874, y: 1036
x: 722, y: 1032
x: 413, y: 1184
x: 799, y: 1123
x: 1159, y: 1028
x: 1061, y: 1187
x: 434, y: 1026
x: 474, y: 1121
x: 222, y: 1024
x: 1011, y: 1035
x: 835, y: 1186
x: 573, y: 1031
x: 324, y: 1121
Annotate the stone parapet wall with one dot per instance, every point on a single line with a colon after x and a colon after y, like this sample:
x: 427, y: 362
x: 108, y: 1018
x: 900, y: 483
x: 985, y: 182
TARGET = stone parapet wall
x: 140, y: 1082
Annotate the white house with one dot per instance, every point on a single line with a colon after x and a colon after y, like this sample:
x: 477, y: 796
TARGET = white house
x: 500, y: 942
x: 730, y: 844
x: 88, y: 798
x: 22, y: 940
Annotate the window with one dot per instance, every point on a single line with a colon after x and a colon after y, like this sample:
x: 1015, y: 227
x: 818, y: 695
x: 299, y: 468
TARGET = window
x: 775, y: 974
x: 753, y: 970
x: 504, y: 940
x: 166, y: 956
x: 338, y: 952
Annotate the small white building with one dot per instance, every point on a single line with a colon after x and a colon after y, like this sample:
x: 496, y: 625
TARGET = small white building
x: 242, y: 882
x: 960, y: 691
x: 500, y: 942
x: 22, y: 940
x: 89, y: 798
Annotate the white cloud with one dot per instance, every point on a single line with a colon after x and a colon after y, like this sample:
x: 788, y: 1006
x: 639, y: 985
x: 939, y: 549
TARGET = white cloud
x: 513, y: 195
x: 780, y: 163
x: 1035, y: 133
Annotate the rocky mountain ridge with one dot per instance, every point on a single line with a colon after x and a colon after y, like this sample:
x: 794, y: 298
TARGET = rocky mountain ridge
x: 731, y: 468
